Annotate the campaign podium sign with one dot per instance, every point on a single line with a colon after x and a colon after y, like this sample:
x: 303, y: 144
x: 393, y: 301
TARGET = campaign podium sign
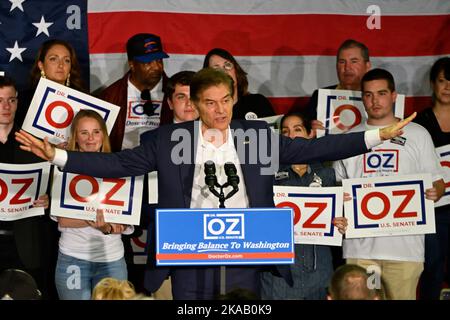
x: 224, y: 236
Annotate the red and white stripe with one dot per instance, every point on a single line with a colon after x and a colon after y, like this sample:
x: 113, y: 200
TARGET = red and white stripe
x: 287, y: 47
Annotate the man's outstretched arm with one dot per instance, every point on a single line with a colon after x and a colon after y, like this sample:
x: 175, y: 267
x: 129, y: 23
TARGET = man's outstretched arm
x: 129, y: 162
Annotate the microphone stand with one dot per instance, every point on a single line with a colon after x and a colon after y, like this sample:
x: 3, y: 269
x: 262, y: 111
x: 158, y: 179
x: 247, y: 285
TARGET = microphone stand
x: 211, y: 182
x: 221, y: 194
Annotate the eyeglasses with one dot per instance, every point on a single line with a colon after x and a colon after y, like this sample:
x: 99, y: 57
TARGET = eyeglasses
x: 227, y: 66
x: 149, y: 110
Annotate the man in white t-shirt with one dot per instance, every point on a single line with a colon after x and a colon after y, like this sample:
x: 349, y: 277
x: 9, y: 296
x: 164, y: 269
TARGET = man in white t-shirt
x: 400, y: 258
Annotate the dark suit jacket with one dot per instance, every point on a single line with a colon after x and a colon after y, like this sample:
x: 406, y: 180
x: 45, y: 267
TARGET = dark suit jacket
x: 175, y: 180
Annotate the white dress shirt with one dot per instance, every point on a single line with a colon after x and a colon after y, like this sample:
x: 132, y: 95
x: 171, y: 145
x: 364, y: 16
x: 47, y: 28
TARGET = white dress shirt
x: 201, y: 196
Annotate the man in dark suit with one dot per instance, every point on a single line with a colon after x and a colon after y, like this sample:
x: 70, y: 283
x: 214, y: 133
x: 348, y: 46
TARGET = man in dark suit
x: 178, y: 153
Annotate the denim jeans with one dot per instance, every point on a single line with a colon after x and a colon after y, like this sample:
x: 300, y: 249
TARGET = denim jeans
x: 75, y: 278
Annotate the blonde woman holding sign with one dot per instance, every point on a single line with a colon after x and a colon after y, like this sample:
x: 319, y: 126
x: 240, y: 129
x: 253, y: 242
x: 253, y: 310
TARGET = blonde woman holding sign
x: 88, y: 250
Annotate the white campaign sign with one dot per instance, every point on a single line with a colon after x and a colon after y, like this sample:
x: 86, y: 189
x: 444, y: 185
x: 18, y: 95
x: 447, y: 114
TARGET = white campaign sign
x: 388, y: 206
x: 54, y: 106
x: 444, y: 158
x: 341, y: 110
x: 79, y: 196
x: 314, y: 210
x: 20, y: 185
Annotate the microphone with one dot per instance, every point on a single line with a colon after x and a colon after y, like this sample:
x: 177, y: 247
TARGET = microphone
x: 148, y: 105
x: 231, y: 172
x: 210, y: 174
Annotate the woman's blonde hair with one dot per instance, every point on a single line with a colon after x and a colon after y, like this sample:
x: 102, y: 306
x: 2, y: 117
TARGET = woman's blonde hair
x: 113, y: 289
x: 72, y: 144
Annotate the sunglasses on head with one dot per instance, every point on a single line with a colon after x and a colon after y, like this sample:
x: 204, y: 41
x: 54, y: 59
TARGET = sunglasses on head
x: 149, y: 110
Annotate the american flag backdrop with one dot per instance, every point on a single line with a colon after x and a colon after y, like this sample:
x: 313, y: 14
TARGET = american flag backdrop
x: 26, y: 24
x: 287, y: 46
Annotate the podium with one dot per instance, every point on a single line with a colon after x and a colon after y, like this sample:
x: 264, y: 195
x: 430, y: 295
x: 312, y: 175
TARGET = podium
x: 220, y: 237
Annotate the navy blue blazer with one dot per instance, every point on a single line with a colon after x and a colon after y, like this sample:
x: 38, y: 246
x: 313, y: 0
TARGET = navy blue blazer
x: 175, y: 180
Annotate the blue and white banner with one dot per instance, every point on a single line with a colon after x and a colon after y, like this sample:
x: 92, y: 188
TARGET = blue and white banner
x: 224, y: 236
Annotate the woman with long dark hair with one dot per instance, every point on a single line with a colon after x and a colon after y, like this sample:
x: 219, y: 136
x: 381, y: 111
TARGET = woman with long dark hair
x: 56, y: 60
x: 247, y: 105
